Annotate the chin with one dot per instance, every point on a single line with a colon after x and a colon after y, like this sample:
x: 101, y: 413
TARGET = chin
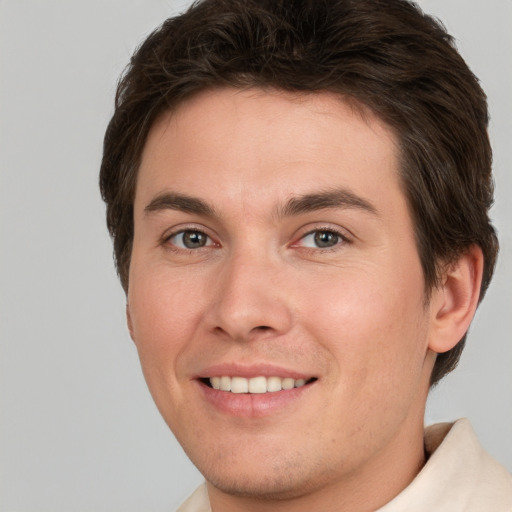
x: 277, y: 480
x: 279, y: 488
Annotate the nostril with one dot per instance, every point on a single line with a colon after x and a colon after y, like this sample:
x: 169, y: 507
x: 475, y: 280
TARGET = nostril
x: 262, y: 328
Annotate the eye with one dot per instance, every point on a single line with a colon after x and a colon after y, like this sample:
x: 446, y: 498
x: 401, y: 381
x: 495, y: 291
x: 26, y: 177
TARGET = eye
x: 190, y: 239
x: 321, y: 239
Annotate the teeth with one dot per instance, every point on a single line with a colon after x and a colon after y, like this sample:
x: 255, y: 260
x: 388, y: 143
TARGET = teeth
x: 225, y: 384
x: 274, y: 384
x: 255, y: 384
x: 288, y: 383
x: 239, y: 385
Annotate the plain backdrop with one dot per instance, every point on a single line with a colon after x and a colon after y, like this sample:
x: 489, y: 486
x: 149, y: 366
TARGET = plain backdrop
x: 78, y: 429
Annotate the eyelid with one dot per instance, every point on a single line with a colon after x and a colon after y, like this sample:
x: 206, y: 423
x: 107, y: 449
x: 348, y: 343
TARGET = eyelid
x: 182, y: 234
x: 345, y: 236
x: 177, y: 230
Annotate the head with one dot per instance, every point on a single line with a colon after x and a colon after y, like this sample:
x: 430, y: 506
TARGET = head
x: 233, y: 83
x: 387, y: 57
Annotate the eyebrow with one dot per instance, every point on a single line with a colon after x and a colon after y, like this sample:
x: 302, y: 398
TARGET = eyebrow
x: 337, y: 198
x: 180, y: 202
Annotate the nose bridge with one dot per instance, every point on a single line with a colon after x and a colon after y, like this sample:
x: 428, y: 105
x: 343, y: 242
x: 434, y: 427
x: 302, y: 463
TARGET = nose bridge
x: 250, y: 297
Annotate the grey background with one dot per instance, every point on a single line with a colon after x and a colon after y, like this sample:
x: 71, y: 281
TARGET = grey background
x: 78, y: 430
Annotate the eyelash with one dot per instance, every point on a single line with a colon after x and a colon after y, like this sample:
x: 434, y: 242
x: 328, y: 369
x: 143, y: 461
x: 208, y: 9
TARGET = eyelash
x: 166, y: 240
x: 343, y: 239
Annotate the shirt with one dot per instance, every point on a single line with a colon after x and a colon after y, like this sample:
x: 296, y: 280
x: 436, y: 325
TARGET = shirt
x: 459, y: 476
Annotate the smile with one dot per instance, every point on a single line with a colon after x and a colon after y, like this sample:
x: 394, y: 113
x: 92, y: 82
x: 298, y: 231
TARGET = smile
x: 255, y: 385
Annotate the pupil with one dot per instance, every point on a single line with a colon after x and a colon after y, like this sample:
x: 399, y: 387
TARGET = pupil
x: 194, y: 239
x: 326, y: 238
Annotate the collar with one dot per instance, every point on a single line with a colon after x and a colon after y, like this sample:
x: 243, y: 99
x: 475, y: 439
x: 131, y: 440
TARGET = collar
x: 459, y: 476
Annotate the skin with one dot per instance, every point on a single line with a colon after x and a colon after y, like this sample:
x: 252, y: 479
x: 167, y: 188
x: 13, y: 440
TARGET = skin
x: 260, y: 291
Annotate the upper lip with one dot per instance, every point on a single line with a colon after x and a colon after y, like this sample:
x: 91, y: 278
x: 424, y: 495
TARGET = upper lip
x: 249, y: 371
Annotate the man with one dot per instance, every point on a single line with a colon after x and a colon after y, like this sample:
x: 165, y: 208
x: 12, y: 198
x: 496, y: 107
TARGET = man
x: 298, y: 195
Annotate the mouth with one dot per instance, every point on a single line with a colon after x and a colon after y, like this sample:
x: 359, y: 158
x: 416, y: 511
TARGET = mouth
x: 255, y: 385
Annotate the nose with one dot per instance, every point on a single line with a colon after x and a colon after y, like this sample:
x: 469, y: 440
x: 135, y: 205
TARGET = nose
x: 250, y: 299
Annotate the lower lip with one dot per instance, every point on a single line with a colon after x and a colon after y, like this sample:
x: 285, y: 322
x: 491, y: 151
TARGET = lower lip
x: 253, y: 404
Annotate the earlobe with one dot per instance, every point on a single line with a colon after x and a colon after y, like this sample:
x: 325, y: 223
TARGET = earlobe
x: 454, y: 302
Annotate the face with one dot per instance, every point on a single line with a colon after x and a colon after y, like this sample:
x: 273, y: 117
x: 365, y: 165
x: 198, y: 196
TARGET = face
x: 276, y: 296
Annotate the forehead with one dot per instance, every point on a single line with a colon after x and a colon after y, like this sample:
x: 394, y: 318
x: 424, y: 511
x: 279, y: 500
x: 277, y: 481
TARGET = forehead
x: 234, y: 141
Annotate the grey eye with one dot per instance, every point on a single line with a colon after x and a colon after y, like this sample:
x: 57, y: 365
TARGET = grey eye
x: 326, y: 238
x: 190, y: 239
x: 321, y: 239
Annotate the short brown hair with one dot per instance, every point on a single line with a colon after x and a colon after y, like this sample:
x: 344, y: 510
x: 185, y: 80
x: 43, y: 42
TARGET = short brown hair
x: 385, y: 55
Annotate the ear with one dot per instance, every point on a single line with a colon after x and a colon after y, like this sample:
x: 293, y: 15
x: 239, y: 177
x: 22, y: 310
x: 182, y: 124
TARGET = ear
x: 129, y: 321
x: 454, y: 302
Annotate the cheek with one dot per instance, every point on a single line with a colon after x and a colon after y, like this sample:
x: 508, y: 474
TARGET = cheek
x: 373, y: 324
x: 165, y: 311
